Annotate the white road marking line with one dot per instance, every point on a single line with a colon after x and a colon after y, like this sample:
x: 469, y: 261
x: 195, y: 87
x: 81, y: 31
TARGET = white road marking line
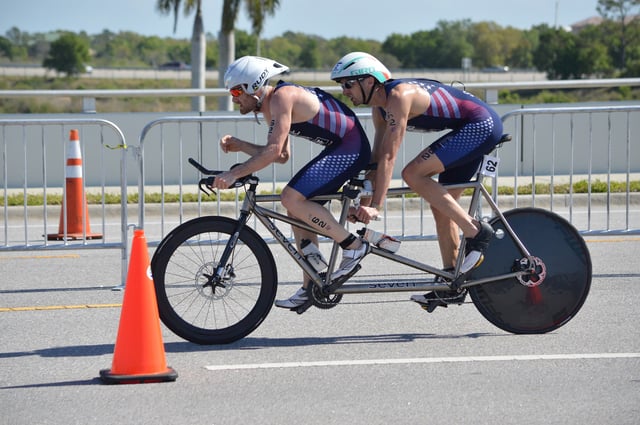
x: 526, y: 357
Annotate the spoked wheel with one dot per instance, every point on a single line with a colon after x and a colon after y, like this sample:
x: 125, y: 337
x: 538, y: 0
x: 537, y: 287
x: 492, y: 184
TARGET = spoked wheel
x: 196, y: 305
x: 547, y: 299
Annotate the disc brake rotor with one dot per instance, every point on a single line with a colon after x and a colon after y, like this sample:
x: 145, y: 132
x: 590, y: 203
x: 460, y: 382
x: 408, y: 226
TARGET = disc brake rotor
x: 536, y: 278
x: 208, y: 287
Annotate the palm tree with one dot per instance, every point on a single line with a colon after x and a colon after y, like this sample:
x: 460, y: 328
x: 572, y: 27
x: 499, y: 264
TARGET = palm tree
x: 257, y: 9
x: 198, y: 43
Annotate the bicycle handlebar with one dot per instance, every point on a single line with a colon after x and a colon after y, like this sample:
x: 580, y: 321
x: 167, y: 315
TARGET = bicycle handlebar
x: 208, y: 181
x: 202, y: 169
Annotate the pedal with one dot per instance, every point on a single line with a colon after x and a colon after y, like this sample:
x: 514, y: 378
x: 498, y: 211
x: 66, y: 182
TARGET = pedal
x: 335, y: 284
x: 432, y: 305
x: 443, y: 299
x: 304, y: 307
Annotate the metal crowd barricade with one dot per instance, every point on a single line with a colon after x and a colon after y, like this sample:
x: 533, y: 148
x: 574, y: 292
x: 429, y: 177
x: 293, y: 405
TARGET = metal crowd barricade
x: 167, y: 143
x: 165, y: 146
x: 555, y: 150
x: 34, y: 158
x: 572, y: 138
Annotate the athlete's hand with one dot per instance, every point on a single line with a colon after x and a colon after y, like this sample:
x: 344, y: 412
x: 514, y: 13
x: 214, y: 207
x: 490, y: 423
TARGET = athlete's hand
x: 223, y: 180
x: 228, y: 143
x: 366, y: 214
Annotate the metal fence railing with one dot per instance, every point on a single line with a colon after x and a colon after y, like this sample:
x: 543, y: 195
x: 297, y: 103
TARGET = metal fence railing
x: 580, y: 162
x: 37, y: 152
x: 553, y: 150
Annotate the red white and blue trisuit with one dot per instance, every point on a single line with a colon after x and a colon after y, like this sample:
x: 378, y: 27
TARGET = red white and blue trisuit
x: 347, y: 149
x: 476, y: 127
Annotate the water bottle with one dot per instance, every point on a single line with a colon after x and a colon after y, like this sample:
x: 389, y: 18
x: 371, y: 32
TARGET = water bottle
x: 379, y: 239
x: 313, y: 255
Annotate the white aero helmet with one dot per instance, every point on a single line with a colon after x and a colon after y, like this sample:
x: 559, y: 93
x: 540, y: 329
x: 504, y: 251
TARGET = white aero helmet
x: 252, y: 72
x: 357, y: 64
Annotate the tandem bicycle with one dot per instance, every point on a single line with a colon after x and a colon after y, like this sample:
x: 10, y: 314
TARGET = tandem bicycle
x: 216, y: 278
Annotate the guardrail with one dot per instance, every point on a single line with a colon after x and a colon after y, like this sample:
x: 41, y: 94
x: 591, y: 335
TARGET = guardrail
x: 490, y: 90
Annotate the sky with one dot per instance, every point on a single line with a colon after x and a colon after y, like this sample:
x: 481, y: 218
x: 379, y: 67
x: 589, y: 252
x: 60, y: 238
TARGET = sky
x: 372, y: 19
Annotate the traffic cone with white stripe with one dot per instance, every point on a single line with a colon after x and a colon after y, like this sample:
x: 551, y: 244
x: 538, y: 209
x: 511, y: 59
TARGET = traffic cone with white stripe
x: 75, y: 208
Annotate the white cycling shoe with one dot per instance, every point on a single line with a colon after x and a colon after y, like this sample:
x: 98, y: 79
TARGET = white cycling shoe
x: 296, y: 300
x: 350, y: 259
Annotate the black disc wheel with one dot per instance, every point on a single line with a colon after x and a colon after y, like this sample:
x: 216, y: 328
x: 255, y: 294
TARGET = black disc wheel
x: 200, y: 305
x: 550, y: 297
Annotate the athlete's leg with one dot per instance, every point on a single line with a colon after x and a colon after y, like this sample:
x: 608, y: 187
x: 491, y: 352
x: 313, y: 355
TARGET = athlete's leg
x: 418, y: 174
x: 300, y: 234
x: 448, y: 233
x: 313, y: 214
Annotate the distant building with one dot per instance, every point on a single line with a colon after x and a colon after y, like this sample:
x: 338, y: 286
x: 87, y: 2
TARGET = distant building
x: 596, y: 20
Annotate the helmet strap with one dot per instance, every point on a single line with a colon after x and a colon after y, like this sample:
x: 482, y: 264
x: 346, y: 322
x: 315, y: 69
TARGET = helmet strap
x: 259, y: 104
x: 366, y: 102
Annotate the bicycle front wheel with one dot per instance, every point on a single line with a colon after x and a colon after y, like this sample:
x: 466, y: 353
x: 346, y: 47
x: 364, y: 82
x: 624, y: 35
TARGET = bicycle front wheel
x: 199, y: 309
x: 531, y: 307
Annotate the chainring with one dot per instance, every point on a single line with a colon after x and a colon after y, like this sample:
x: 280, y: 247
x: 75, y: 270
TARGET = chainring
x: 319, y: 299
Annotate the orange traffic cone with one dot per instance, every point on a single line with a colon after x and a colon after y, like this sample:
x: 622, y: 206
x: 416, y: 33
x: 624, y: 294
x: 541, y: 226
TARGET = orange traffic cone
x: 139, y: 352
x: 76, y: 202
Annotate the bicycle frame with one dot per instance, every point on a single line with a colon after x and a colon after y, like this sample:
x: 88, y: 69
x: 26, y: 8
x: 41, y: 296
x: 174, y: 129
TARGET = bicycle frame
x: 212, y: 297
x: 268, y: 218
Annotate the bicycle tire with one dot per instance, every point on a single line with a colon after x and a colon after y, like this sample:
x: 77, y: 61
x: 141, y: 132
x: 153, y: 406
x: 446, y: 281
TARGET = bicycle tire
x: 198, y: 313
x: 520, y: 309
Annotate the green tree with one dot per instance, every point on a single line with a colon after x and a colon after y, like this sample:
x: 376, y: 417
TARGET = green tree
x: 564, y: 55
x: 68, y: 54
x: 257, y: 11
x: 398, y: 45
x: 593, y: 55
x: 522, y: 55
x: 5, y: 48
x: 621, y: 11
x: 452, y: 44
x: 487, y: 45
x: 548, y: 53
x: 442, y: 47
x: 309, y: 57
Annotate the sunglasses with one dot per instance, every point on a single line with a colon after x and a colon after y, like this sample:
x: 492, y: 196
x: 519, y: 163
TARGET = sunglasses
x: 348, y: 84
x: 236, y: 91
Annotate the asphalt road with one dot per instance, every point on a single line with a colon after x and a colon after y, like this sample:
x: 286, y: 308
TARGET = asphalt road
x: 374, y: 359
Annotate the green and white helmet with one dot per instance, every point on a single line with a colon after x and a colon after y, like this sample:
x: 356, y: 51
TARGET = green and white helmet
x: 357, y: 64
x: 252, y: 72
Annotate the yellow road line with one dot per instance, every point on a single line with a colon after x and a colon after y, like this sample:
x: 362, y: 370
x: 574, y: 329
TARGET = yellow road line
x: 600, y: 240
x: 58, y: 307
x: 45, y: 257
x: 88, y: 306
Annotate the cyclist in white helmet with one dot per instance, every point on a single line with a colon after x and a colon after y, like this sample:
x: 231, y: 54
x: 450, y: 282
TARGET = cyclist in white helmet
x: 416, y: 104
x: 312, y: 114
